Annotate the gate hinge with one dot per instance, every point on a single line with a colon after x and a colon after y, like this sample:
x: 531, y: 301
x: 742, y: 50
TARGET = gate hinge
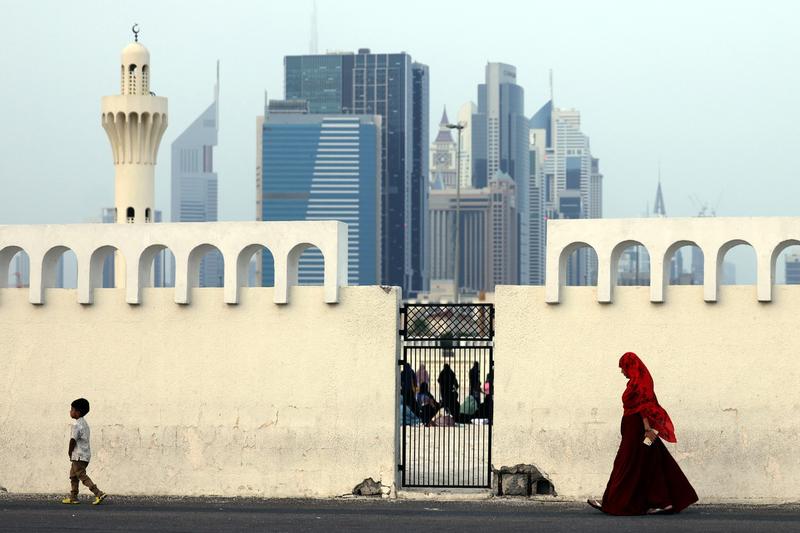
x: 401, y: 468
x: 400, y: 362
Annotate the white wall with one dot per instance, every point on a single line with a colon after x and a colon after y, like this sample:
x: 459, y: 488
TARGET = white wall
x: 727, y: 372
x: 249, y: 399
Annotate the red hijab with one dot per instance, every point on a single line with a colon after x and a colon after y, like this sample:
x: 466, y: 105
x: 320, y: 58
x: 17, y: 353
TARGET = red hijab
x: 639, y: 397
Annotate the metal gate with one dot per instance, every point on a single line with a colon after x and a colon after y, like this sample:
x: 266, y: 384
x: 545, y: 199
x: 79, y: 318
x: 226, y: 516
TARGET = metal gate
x: 446, y: 395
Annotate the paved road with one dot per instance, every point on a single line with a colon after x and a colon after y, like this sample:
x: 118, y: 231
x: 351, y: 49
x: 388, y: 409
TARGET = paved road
x: 217, y: 515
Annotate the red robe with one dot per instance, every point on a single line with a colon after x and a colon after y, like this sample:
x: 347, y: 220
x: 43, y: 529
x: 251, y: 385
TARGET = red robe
x: 644, y: 477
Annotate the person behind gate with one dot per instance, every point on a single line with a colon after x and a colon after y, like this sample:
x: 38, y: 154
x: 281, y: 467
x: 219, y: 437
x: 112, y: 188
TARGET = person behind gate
x: 448, y: 389
x: 80, y: 454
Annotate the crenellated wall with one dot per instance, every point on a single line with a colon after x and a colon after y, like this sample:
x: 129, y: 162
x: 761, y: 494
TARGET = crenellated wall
x: 300, y: 399
x: 253, y: 399
x: 136, y: 245
x: 727, y: 373
x: 662, y: 237
x: 724, y: 360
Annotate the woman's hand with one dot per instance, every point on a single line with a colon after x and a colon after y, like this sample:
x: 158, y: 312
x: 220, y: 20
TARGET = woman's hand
x: 650, y: 434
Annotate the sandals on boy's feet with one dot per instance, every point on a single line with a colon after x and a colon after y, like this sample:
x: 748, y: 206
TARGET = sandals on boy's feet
x: 595, y: 503
x: 99, y: 499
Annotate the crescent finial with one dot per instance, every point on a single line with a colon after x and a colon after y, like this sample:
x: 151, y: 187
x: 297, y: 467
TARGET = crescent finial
x: 135, y: 30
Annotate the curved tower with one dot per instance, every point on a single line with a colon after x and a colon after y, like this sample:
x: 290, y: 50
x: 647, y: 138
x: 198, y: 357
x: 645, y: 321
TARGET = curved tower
x: 135, y: 121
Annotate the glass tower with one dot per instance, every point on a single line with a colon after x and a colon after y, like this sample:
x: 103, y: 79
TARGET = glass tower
x: 396, y: 89
x: 324, y: 167
x: 500, y: 143
x: 194, y: 182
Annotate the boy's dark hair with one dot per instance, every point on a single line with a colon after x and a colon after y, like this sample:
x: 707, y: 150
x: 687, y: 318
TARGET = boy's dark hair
x: 423, y: 386
x: 81, y: 405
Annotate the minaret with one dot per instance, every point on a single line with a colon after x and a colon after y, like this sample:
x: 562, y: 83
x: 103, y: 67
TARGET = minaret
x: 135, y: 121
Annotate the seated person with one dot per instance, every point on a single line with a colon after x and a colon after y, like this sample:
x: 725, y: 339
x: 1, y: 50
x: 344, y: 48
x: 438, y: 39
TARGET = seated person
x: 469, y: 408
x: 427, y: 403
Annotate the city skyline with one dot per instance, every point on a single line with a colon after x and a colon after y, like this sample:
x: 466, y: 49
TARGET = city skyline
x: 664, y: 78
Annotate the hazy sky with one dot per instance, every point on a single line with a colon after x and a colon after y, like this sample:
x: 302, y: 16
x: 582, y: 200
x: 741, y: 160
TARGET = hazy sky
x: 708, y: 88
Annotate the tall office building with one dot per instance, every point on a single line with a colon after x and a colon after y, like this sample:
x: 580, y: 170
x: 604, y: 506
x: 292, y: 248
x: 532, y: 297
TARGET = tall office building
x: 633, y: 267
x: 60, y: 273
x: 395, y: 88
x: 444, y: 157
x: 488, y: 235
x: 500, y: 129
x: 697, y: 266
x: 194, y: 181
x: 500, y: 143
x: 465, y: 113
x: 474, y: 241
x: 323, y: 167
x: 571, y: 182
x: 536, y: 219
x: 596, y: 190
x: 503, y: 231
x: 420, y: 175
x: 793, y: 269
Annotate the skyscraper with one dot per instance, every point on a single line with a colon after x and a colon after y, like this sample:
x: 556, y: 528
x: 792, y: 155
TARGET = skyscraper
x: 474, y: 233
x: 500, y: 143
x: 500, y: 138
x: 420, y: 176
x: 394, y: 87
x: 489, y: 235
x: 194, y: 181
x: 465, y: 113
x: 793, y: 269
x: 503, y: 231
x: 571, y: 183
x: 323, y: 167
x: 536, y: 217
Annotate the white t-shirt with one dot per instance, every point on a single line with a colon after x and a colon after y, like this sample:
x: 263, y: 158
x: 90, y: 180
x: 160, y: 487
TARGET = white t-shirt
x: 80, y: 432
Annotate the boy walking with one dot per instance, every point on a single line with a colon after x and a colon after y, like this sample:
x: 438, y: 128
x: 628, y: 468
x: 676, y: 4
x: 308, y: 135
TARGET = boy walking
x: 80, y: 454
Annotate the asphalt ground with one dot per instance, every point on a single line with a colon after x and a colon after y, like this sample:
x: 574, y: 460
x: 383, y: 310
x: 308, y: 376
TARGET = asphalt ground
x: 134, y: 514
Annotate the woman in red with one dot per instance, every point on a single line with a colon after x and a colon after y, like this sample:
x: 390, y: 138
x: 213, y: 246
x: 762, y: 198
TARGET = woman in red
x: 645, y: 479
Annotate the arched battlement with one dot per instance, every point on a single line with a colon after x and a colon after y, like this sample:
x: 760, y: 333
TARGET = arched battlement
x: 768, y: 236
x: 665, y: 264
x: 137, y: 245
x: 616, y: 255
x: 237, y: 279
x: 566, y: 253
x: 777, y: 251
x: 7, y: 253
x: 92, y: 278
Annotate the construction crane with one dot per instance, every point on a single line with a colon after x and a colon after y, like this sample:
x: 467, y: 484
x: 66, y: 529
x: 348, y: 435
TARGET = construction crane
x: 703, y: 208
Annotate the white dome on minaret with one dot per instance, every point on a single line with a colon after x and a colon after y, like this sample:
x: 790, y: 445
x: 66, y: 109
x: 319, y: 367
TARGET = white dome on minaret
x: 135, y: 53
x: 135, y: 69
x: 135, y: 121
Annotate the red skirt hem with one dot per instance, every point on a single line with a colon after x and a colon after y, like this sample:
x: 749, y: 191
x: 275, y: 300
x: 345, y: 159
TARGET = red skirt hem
x: 644, y: 477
